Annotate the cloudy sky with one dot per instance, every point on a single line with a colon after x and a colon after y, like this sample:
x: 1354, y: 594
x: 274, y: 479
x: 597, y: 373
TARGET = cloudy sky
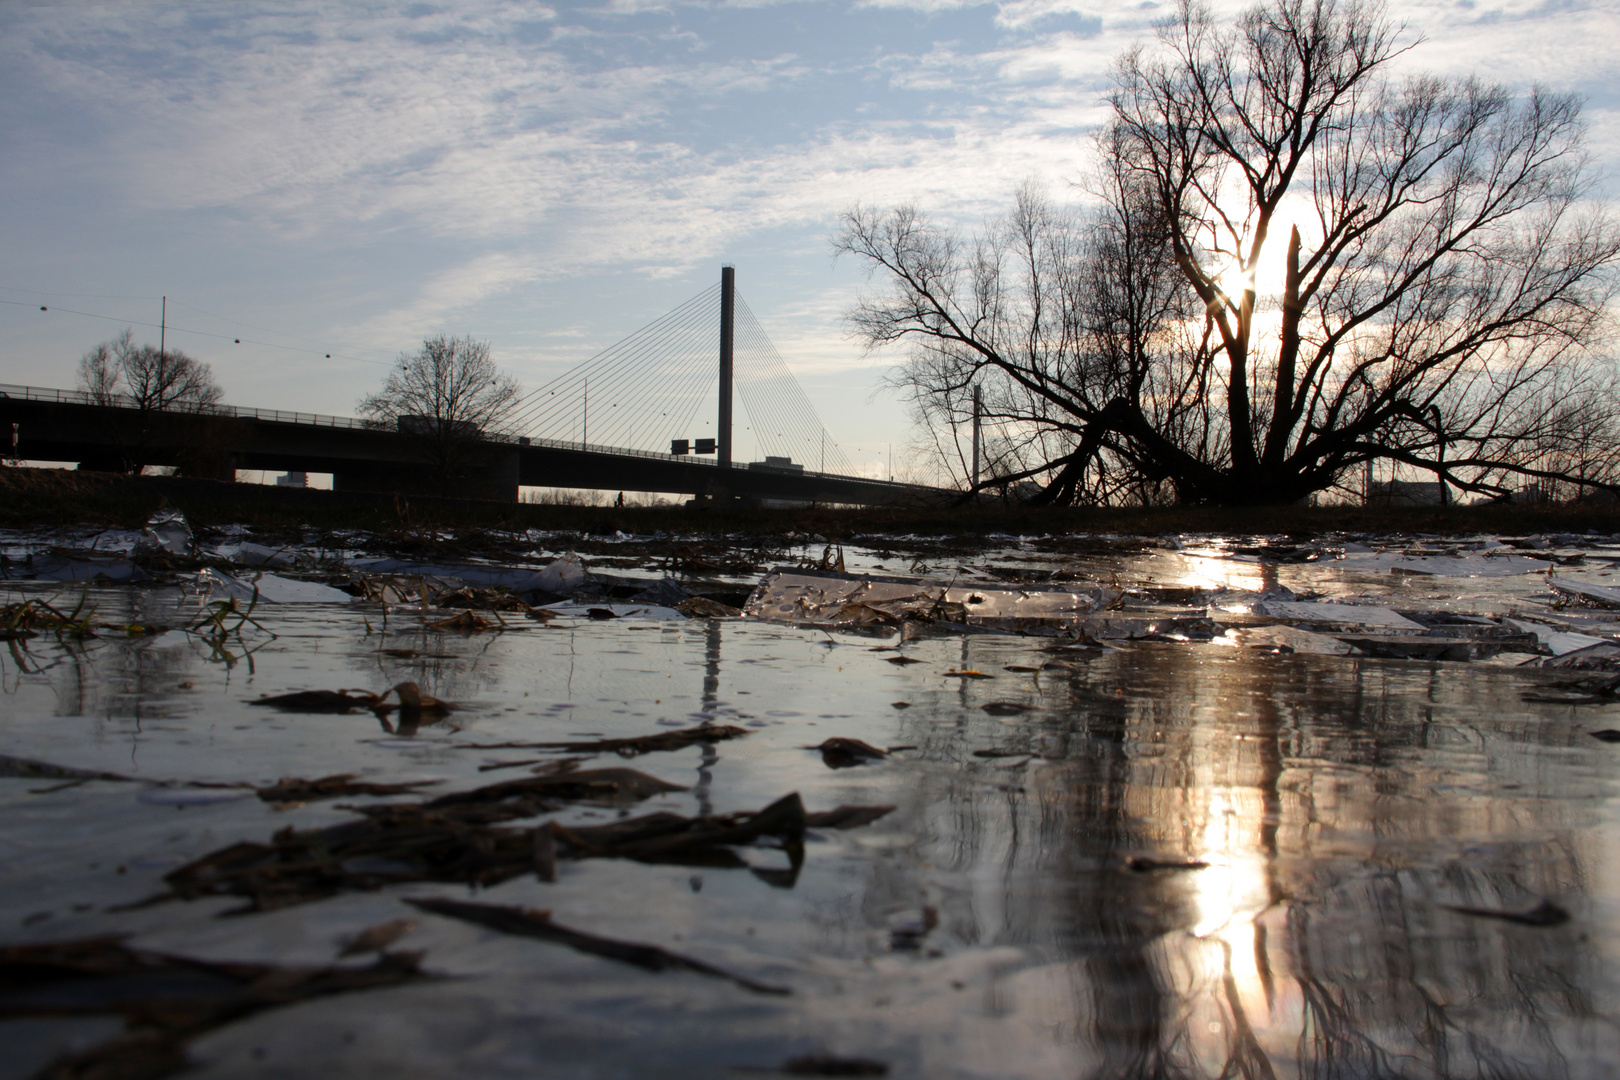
x: 346, y: 178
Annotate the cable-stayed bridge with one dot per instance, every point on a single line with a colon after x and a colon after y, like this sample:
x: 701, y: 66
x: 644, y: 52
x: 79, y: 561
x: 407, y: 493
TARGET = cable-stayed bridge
x: 662, y: 386
x: 653, y: 413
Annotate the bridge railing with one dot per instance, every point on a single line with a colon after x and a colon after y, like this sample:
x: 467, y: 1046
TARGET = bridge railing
x: 125, y: 401
x: 282, y: 416
x: 692, y: 459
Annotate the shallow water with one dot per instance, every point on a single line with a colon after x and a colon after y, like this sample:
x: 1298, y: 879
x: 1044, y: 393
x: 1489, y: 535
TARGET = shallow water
x: 990, y: 926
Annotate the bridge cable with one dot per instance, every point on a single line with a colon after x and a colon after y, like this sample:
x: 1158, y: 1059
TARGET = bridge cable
x: 643, y: 400
x: 764, y: 400
x: 782, y: 391
x: 776, y: 382
x: 568, y: 405
x: 546, y: 407
x: 651, y: 385
x: 683, y: 377
x: 543, y: 400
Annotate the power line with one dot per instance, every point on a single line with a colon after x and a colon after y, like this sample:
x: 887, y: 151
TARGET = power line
x: 240, y: 322
x: 201, y: 333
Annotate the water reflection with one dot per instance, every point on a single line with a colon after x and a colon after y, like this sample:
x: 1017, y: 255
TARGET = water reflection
x: 1340, y: 807
x: 448, y: 665
x: 1213, y: 570
x: 133, y: 673
x: 712, y: 635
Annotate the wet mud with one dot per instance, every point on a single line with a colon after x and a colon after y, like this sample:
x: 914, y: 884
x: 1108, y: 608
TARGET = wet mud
x: 1182, y: 806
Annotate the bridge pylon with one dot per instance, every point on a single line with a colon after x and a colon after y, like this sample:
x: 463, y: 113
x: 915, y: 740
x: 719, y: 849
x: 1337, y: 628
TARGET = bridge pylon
x: 728, y: 312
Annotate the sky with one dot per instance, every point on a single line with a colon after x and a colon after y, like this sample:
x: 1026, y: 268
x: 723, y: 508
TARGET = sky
x: 343, y: 179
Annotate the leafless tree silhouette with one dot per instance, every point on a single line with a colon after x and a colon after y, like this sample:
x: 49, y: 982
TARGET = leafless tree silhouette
x: 119, y: 372
x: 449, y: 395
x: 158, y: 384
x: 1301, y: 263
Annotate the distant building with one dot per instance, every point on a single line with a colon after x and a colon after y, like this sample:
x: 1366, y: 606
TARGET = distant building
x: 1530, y: 495
x: 293, y: 479
x: 1388, y: 493
x: 776, y: 464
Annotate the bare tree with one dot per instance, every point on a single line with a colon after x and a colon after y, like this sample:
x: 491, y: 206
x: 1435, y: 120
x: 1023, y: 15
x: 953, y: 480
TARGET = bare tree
x: 169, y: 381
x: 99, y: 370
x: 172, y: 398
x: 448, y: 395
x: 119, y: 372
x: 1434, y: 267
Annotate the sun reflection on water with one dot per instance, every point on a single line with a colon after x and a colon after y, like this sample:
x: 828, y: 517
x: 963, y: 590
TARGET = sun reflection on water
x: 1236, y: 1011
x: 1196, y: 570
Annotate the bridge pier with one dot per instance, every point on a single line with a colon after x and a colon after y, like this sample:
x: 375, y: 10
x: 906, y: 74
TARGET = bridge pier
x: 494, y: 477
x: 214, y: 466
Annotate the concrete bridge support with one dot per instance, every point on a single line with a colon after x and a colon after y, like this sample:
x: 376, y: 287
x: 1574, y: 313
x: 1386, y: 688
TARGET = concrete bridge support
x: 493, y: 476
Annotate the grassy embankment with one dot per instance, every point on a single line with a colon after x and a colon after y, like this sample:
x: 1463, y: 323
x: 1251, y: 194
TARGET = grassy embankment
x: 50, y: 497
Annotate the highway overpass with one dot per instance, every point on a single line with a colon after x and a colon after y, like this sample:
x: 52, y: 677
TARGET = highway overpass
x: 67, y: 426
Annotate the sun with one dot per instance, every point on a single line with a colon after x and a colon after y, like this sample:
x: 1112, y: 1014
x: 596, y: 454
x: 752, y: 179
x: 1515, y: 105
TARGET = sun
x: 1234, y: 280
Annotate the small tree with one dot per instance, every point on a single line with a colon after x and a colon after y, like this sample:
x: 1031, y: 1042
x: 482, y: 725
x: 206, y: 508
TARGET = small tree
x: 447, y: 395
x: 170, y: 381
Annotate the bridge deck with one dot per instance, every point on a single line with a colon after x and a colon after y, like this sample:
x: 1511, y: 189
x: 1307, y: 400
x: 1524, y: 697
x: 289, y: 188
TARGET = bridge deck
x: 66, y: 425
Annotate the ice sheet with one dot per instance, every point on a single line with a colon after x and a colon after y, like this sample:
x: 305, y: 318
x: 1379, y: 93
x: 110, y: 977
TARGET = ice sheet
x: 1447, y: 565
x: 1342, y: 614
x: 822, y: 597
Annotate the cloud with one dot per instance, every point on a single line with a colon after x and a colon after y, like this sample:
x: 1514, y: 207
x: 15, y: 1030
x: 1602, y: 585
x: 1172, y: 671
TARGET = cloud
x: 1019, y: 14
x: 449, y: 292
x: 505, y: 144
x: 366, y: 122
x: 929, y: 6
x: 453, y: 122
x: 434, y: 124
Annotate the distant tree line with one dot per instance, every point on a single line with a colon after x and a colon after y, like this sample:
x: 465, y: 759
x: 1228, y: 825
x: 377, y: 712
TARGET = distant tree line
x: 1295, y: 263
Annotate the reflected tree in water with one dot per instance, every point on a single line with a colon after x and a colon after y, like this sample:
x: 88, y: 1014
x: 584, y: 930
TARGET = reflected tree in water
x: 1318, y: 943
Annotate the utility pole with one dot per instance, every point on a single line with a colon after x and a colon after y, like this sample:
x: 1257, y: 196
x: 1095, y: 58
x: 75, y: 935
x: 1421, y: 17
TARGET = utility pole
x: 973, y: 480
x: 728, y: 306
x: 163, y: 330
x: 1440, y: 436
